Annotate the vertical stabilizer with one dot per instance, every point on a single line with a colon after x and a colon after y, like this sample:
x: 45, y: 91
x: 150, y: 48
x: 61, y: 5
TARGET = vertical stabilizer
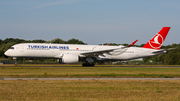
x: 157, y: 41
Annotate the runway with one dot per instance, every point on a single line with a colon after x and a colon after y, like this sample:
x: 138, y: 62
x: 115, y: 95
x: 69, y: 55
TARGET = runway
x: 110, y: 66
x: 89, y: 78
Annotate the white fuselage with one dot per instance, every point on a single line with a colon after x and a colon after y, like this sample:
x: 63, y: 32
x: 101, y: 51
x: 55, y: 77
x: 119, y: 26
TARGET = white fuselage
x: 44, y: 50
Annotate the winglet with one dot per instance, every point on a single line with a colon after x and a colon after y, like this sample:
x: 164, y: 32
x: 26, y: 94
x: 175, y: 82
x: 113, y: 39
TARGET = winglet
x: 132, y: 44
x: 157, y: 41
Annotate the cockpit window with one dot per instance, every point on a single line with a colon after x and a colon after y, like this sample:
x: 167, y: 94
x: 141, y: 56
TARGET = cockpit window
x: 11, y: 48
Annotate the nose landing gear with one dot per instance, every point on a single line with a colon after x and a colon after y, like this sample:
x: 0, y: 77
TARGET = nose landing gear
x: 15, y: 61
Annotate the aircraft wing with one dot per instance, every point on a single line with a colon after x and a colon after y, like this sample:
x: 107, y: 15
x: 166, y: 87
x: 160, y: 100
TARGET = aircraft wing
x: 100, y: 52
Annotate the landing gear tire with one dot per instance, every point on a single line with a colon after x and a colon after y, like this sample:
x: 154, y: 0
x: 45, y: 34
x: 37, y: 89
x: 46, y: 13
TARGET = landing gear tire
x: 88, y: 64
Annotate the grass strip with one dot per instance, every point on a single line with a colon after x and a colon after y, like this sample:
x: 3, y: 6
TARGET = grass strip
x: 90, y: 90
x: 93, y: 76
x: 100, y: 72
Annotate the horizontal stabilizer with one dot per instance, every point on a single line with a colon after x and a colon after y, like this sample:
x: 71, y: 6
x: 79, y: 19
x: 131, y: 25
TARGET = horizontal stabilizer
x: 163, y: 50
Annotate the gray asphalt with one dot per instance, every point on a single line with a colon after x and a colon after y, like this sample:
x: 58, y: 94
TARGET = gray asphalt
x: 122, y: 66
x: 89, y: 78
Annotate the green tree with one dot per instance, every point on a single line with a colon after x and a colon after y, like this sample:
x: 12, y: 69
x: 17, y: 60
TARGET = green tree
x: 1, y: 41
x: 141, y: 45
x: 57, y: 40
x: 74, y: 41
x: 38, y: 41
x: 172, y: 57
x: 112, y: 44
x: 7, y: 40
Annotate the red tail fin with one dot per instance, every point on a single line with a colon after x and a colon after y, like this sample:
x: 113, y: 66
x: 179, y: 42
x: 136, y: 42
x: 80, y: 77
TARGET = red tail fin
x: 157, y: 41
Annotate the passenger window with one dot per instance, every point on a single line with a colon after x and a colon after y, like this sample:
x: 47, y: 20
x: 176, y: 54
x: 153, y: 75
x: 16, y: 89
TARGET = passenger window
x: 11, y: 48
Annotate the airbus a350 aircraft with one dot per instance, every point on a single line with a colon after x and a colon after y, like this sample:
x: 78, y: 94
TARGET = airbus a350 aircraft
x: 69, y: 53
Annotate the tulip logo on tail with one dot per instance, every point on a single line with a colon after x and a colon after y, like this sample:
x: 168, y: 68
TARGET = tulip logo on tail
x: 156, y: 42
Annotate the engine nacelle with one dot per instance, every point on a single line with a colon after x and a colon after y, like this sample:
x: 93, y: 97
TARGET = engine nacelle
x: 70, y: 58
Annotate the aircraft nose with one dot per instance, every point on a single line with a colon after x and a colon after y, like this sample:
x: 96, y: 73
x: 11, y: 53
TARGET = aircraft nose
x: 7, y: 53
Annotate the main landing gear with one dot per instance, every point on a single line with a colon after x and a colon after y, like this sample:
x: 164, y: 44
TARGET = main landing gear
x: 86, y: 64
x: 89, y: 62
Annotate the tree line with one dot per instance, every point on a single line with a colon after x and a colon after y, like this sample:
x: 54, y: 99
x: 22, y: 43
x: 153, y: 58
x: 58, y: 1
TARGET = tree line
x: 172, y: 57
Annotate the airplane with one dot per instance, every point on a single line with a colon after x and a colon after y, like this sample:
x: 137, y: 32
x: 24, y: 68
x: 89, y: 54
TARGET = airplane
x: 70, y: 53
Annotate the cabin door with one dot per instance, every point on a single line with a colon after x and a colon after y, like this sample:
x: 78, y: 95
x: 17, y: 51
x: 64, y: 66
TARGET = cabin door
x: 22, y: 48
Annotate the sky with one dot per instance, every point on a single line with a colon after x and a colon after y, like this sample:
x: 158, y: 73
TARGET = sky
x: 91, y: 21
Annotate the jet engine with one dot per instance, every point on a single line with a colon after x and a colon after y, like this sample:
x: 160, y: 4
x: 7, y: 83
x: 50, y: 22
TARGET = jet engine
x: 70, y: 58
